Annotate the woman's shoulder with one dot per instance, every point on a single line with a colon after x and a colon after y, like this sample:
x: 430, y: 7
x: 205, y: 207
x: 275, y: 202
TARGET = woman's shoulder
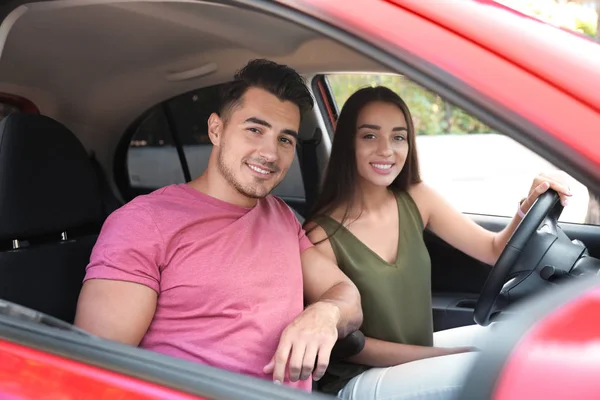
x: 417, y: 188
x: 319, y: 237
x: 331, y: 217
x: 424, y: 198
x: 314, y: 230
x: 322, y: 226
x: 421, y: 193
x: 319, y: 224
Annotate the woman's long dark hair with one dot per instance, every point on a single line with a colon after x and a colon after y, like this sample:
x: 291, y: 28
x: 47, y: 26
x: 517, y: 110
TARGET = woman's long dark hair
x: 341, y: 178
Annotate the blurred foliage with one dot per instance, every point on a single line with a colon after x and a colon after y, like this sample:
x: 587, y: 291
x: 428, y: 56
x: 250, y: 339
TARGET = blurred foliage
x: 580, y: 16
x: 431, y: 114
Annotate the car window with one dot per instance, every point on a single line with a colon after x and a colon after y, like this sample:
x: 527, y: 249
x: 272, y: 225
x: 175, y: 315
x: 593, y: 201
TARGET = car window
x: 152, y: 157
x: 478, y: 170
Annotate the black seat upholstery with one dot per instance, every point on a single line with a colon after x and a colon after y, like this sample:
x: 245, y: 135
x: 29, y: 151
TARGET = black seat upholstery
x: 50, y: 214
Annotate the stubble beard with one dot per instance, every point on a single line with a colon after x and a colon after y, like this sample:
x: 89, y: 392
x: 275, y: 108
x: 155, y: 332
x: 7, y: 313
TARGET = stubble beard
x: 245, y: 190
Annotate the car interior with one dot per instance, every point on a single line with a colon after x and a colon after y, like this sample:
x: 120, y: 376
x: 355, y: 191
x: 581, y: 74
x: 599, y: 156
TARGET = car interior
x: 107, y: 100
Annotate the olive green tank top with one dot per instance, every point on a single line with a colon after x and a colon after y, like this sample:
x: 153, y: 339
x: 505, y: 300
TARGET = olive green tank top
x: 396, y: 298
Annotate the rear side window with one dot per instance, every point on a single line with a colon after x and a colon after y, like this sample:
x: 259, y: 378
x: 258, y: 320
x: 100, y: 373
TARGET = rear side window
x: 153, y: 160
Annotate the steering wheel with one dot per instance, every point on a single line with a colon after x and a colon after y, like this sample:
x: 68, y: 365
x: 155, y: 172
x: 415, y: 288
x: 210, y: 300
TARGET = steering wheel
x: 537, y: 253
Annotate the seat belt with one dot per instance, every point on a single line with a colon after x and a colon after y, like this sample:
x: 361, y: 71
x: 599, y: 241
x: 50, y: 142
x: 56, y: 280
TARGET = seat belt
x: 310, y: 168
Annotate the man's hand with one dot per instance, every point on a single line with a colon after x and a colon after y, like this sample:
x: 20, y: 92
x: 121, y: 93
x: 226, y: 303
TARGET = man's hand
x: 308, y: 339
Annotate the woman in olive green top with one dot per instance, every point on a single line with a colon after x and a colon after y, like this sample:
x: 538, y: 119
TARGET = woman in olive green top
x: 370, y: 219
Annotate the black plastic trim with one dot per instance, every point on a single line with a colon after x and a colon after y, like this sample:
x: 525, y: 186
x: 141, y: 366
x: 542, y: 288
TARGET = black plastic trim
x: 452, y: 309
x: 177, y: 141
x: 120, y: 171
x: 588, y: 234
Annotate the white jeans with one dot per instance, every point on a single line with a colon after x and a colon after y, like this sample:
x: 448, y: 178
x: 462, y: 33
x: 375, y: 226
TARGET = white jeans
x: 436, y: 378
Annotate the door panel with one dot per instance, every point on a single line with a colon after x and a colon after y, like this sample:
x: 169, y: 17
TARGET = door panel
x: 451, y: 310
x: 457, y: 279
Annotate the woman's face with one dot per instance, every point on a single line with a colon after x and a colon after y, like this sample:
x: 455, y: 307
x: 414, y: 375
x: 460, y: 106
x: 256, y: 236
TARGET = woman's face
x: 381, y: 143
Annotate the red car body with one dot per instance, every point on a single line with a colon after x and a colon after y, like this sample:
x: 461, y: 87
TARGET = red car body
x: 530, y: 72
x: 558, y: 358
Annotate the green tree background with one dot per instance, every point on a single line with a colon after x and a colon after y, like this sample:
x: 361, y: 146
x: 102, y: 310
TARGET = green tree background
x: 582, y: 16
x: 431, y: 114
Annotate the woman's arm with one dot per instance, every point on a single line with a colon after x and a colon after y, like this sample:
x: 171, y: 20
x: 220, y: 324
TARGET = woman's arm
x: 463, y: 233
x: 379, y: 353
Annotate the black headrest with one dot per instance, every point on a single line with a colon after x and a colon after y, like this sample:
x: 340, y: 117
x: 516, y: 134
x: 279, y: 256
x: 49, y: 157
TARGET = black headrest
x: 47, y: 182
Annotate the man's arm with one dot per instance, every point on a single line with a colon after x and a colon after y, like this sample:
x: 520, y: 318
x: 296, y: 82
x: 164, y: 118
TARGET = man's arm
x: 116, y: 310
x: 334, y: 312
x: 325, y: 283
x: 120, y: 290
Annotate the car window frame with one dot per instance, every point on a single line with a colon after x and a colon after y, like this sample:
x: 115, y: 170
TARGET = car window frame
x: 327, y: 102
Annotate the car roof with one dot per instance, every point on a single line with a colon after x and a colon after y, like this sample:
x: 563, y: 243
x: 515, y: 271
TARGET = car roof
x: 104, y: 63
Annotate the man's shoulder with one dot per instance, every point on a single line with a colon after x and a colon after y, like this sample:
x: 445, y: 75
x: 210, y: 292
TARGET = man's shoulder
x: 149, y: 203
x: 278, y: 205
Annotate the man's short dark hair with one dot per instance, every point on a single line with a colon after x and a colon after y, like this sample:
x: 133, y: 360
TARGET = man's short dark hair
x: 279, y: 80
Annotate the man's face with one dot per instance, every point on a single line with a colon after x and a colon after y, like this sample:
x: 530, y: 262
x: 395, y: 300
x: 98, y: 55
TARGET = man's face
x: 256, y: 144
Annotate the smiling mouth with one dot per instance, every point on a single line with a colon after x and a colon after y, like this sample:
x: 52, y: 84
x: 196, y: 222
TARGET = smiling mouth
x: 259, y: 170
x: 383, y: 167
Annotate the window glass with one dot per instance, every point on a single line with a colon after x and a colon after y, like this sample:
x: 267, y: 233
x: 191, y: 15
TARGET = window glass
x: 152, y: 160
x: 478, y: 170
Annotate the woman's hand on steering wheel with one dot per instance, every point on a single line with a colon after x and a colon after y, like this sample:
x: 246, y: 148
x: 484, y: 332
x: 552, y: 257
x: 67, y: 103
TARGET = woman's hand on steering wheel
x: 557, y: 180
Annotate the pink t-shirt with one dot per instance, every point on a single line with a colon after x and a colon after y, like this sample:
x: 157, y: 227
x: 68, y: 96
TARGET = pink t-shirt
x: 229, y: 278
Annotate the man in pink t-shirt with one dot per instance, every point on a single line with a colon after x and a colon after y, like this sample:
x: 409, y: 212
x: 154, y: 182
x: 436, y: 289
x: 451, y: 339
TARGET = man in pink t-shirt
x: 217, y: 270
